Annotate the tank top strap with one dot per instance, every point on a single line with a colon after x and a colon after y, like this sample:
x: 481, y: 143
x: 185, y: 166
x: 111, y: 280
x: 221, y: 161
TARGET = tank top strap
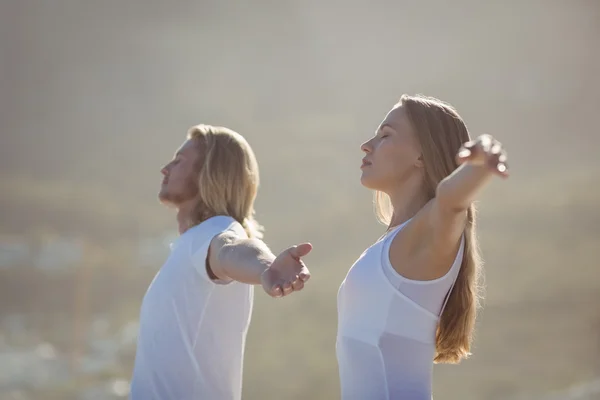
x: 391, y: 234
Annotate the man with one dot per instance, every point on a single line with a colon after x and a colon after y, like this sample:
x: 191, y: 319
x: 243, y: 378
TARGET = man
x: 196, y: 312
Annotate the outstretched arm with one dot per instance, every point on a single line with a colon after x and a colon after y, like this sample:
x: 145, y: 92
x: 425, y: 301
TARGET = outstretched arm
x: 480, y: 160
x: 440, y: 225
x: 251, y: 261
x: 233, y: 258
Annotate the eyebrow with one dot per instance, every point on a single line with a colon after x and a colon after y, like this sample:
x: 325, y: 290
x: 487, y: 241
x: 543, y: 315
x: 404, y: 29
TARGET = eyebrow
x: 383, y: 126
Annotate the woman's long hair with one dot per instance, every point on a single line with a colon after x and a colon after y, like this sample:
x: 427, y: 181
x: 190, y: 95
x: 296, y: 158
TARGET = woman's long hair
x: 441, y: 132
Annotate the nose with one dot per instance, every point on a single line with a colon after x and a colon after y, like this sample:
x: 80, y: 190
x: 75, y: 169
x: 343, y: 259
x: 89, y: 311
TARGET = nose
x: 165, y: 170
x: 366, y: 147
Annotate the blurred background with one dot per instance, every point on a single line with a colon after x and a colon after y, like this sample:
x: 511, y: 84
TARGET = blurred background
x: 95, y: 96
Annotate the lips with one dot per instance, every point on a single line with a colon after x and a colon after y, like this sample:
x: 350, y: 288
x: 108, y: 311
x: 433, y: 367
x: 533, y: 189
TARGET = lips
x: 365, y: 163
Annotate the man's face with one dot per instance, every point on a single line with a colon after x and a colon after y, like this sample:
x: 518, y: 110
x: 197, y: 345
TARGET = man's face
x: 180, y: 182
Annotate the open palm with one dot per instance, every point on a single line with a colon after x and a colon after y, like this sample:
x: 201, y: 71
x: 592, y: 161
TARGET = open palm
x: 287, y: 273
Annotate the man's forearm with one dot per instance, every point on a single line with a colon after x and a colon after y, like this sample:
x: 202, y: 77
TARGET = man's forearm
x: 245, y: 260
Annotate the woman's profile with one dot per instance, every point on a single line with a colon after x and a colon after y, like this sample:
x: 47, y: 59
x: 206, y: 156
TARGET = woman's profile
x: 411, y: 298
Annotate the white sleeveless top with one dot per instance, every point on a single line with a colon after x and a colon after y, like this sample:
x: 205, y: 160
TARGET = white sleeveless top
x: 387, y: 325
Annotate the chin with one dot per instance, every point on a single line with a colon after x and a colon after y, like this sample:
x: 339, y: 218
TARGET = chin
x: 372, y: 184
x: 164, y: 198
x: 368, y: 183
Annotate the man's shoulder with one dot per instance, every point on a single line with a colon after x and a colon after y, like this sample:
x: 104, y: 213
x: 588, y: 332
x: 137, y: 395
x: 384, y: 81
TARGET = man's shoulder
x: 220, y: 226
x: 216, y: 225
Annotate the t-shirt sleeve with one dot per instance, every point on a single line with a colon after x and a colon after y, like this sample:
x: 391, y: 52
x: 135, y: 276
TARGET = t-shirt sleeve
x: 203, y: 235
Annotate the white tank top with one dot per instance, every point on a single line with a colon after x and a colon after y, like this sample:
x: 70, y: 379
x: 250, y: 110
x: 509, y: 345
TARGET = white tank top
x: 386, y: 327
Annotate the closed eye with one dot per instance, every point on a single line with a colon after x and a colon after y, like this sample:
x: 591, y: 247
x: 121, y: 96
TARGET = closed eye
x: 386, y: 130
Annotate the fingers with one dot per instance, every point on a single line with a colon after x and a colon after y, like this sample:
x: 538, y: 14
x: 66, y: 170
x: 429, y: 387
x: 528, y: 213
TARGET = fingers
x: 294, y: 285
x: 288, y: 272
x: 497, y: 161
x: 300, y: 250
x: 468, y: 151
x: 297, y: 284
x: 464, y: 154
x: 304, y: 274
x: 287, y: 288
x: 496, y: 158
x: 484, y: 151
x: 485, y: 142
x: 276, y: 291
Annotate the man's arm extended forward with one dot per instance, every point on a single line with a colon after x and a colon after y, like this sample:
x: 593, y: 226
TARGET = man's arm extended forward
x: 251, y: 261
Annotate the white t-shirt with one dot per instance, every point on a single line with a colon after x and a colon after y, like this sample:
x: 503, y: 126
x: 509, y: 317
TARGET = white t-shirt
x: 192, y: 329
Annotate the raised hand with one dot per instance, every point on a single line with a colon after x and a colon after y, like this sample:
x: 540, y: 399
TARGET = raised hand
x: 287, y: 273
x: 484, y: 151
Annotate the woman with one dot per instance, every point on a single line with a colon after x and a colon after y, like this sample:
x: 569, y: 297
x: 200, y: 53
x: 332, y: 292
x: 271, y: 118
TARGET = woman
x: 411, y: 298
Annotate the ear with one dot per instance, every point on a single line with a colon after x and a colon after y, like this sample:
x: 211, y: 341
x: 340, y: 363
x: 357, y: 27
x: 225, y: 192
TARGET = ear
x: 419, y: 163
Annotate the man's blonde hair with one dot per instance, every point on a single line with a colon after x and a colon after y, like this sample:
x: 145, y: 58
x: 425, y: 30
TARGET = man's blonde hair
x: 228, y: 177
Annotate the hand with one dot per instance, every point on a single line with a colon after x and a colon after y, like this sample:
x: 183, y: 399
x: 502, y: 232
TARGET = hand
x: 287, y: 272
x: 484, y: 151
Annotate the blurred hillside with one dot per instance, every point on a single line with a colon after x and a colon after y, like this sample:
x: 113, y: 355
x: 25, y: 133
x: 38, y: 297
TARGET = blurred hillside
x: 96, y: 96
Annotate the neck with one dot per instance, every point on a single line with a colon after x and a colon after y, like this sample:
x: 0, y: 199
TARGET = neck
x: 185, y: 218
x: 406, y: 202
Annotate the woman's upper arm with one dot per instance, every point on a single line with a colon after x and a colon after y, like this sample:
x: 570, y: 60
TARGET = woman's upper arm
x: 446, y: 225
x: 425, y: 248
